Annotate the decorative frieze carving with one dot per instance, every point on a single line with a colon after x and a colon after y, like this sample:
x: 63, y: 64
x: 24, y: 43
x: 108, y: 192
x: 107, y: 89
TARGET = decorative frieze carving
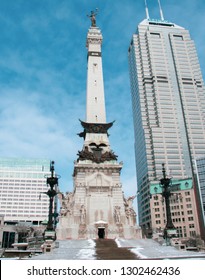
x: 96, y: 155
x: 97, y: 128
x: 94, y: 41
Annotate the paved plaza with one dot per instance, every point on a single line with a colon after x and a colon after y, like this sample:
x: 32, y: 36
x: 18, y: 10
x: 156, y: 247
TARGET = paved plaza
x: 119, y: 249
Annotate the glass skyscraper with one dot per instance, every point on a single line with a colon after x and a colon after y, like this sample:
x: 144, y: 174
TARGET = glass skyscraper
x: 168, y: 98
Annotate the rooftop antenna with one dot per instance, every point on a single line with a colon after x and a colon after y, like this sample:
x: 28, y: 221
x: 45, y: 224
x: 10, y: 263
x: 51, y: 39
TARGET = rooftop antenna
x: 160, y: 10
x: 146, y: 9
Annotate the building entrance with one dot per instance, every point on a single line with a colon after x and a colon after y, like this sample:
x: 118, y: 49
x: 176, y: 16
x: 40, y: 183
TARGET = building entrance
x: 101, y: 233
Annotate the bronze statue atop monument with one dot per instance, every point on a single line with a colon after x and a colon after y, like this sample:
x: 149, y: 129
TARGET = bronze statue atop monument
x: 92, y: 17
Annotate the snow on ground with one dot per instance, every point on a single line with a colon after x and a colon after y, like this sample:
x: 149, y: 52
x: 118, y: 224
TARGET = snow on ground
x: 144, y: 248
x: 87, y: 253
x: 70, y: 250
x: 148, y: 248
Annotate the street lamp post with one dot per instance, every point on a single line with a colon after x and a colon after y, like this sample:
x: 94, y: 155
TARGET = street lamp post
x: 51, y: 181
x: 165, y: 183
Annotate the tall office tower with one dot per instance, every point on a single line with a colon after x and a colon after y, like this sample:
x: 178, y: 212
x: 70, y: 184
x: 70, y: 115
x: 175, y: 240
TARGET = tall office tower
x: 168, y: 98
x: 21, y: 183
x: 97, y: 206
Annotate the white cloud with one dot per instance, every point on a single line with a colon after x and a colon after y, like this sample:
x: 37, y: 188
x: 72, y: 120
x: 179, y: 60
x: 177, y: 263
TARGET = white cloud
x: 43, y: 75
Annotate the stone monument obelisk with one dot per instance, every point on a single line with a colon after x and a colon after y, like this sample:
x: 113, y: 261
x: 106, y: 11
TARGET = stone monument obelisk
x: 97, y: 207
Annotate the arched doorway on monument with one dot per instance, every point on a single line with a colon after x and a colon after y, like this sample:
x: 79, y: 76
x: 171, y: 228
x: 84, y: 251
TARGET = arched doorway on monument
x: 101, y: 232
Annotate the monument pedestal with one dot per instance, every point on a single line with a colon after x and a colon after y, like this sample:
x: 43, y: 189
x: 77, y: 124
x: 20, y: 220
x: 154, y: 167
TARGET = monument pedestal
x: 97, y: 207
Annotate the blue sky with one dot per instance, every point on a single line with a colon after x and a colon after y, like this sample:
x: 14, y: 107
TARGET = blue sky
x: 43, y: 75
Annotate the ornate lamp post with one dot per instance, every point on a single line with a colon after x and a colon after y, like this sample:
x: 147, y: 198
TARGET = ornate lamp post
x: 165, y: 184
x: 52, y: 181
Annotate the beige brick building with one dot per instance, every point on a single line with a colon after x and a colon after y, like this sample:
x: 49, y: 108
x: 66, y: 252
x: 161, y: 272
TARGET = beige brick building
x: 183, y: 209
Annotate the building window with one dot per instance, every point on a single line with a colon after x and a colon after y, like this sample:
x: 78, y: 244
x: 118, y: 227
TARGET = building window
x: 179, y: 231
x: 178, y: 37
x: 191, y: 226
x: 193, y: 233
x: 155, y: 35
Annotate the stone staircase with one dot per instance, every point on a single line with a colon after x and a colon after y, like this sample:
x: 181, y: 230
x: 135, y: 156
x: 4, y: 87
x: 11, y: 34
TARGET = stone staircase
x: 107, y: 249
